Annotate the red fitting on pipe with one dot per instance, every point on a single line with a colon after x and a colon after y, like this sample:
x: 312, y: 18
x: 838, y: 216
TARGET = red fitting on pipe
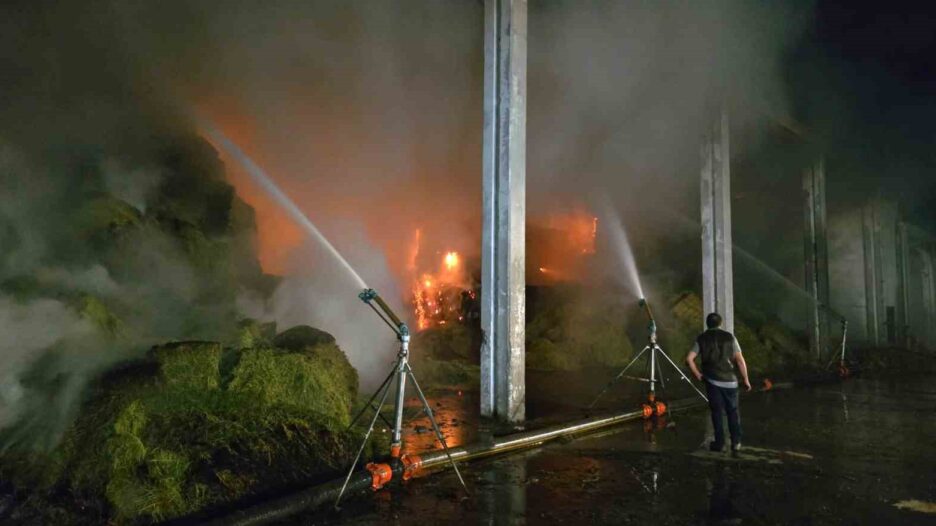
x: 395, y: 450
x: 381, y: 474
x: 647, y: 411
x: 412, y: 466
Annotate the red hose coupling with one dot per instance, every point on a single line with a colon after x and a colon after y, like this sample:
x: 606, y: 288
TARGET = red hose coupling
x: 381, y: 474
x: 412, y: 466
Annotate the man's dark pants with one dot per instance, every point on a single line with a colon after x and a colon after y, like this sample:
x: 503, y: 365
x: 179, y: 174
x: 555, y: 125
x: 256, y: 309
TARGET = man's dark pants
x: 724, y: 400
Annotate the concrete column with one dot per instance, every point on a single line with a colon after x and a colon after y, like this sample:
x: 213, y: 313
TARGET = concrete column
x: 817, y: 256
x: 717, y: 271
x: 503, y: 281
x: 928, y: 279
x: 872, y: 283
x: 903, y: 272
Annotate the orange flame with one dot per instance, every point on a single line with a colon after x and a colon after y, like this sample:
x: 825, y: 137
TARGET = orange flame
x: 437, y: 295
x: 451, y: 261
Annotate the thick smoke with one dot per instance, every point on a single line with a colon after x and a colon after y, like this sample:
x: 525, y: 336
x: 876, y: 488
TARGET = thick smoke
x: 117, y: 227
x: 366, y: 113
x: 373, y: 111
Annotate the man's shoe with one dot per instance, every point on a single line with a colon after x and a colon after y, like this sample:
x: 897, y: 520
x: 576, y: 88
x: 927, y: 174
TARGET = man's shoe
x: 718, y: 448
x: 736, y: 450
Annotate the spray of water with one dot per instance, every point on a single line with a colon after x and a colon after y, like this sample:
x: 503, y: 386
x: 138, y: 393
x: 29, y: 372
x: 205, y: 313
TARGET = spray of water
x: 258, y: 175
x: 618, y: 236
x: 759, y: 265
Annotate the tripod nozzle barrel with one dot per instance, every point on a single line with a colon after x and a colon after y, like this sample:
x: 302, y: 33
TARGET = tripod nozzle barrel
x: 645, y: 305
x: 370, y: 295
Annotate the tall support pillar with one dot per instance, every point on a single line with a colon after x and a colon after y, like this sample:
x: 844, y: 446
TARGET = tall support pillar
x: 717, y: 271
x: 817, y: 256
x: 503, y: 282
x: 929, y: 296
x: 903, y: 269
x: 872, y: 280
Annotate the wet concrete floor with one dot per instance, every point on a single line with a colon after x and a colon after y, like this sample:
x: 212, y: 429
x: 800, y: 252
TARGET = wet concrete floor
x: 838, y: 453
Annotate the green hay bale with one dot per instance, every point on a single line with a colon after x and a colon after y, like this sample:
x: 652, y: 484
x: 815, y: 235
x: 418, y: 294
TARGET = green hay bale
x: 446, y: 374
x: 769, y: 348
x: 252, y: 333
x: 105, y: 216
x: 687, y: 310
x: 301, y: 337
x: 758, y: 356
x: 94, y: 310
x: 192, y: 364
x: 163, y: 438
x: 158, y: 494
x: 319, y: 380
x: 445, y: 342
x: 573, y: 327
x: 544, y: 355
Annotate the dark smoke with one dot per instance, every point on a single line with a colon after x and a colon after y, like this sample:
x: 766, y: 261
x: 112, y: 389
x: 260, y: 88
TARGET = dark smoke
x: 367, y: 114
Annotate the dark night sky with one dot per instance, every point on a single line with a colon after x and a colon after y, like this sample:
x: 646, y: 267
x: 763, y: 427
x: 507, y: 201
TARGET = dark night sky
x: 898, y: 37
x: 864, y: 80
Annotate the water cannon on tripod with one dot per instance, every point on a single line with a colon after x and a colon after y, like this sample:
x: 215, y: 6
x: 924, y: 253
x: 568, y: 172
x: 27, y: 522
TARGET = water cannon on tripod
x: 838, y: 355
x: 651, y: 325
x: 655, y: 356
x: 381, y: 473
x: 370, y: 297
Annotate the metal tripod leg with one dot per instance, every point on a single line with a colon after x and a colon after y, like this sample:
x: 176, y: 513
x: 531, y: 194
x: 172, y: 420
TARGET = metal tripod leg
x: 435, y: 426
x: 659, y: 369
x: 371, y: 401
x: 618, y: 377
x: 370, y: 429
x: 682, y: 374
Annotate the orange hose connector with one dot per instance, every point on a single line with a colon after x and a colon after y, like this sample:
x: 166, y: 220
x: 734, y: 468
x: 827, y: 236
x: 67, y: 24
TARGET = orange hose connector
x: 647, y: 410
x: 381, y: 474
x: 412, y: 466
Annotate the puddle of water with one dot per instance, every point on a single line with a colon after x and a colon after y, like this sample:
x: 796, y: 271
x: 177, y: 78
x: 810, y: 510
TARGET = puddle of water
x: 811, y: 456
x: 753, y: 454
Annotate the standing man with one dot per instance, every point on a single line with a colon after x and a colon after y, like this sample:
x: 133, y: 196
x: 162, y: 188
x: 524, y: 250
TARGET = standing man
x: 720, y: 355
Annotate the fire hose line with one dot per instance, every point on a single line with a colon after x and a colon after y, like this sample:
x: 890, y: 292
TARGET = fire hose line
x: 376, y: 475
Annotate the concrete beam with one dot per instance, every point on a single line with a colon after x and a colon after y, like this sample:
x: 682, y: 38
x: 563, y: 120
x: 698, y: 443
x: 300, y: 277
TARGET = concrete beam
x: 717, y: 267
x: 817, y: 256
x: 503, y: 282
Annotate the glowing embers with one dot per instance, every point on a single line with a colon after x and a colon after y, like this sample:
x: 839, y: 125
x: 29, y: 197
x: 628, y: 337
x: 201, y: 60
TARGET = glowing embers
x: 441, y: 294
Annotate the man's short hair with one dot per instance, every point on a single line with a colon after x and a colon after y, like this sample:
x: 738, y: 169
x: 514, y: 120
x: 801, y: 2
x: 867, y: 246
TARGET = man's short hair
x: 713, y: 320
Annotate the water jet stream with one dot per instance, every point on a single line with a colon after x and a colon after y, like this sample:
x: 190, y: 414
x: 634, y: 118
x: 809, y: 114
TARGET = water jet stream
x: 258, y: 175
x: 624, y: 249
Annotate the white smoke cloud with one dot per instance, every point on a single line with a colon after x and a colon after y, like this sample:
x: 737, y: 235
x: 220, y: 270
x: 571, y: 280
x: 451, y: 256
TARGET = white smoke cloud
x: 26, y: 331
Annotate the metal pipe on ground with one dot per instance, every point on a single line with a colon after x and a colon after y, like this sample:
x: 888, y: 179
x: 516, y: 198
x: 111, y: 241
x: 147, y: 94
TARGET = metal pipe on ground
x: 325, y: 494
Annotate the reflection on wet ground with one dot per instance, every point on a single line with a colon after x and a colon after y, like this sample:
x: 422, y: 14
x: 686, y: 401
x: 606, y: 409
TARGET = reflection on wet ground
x: 833, y: 454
